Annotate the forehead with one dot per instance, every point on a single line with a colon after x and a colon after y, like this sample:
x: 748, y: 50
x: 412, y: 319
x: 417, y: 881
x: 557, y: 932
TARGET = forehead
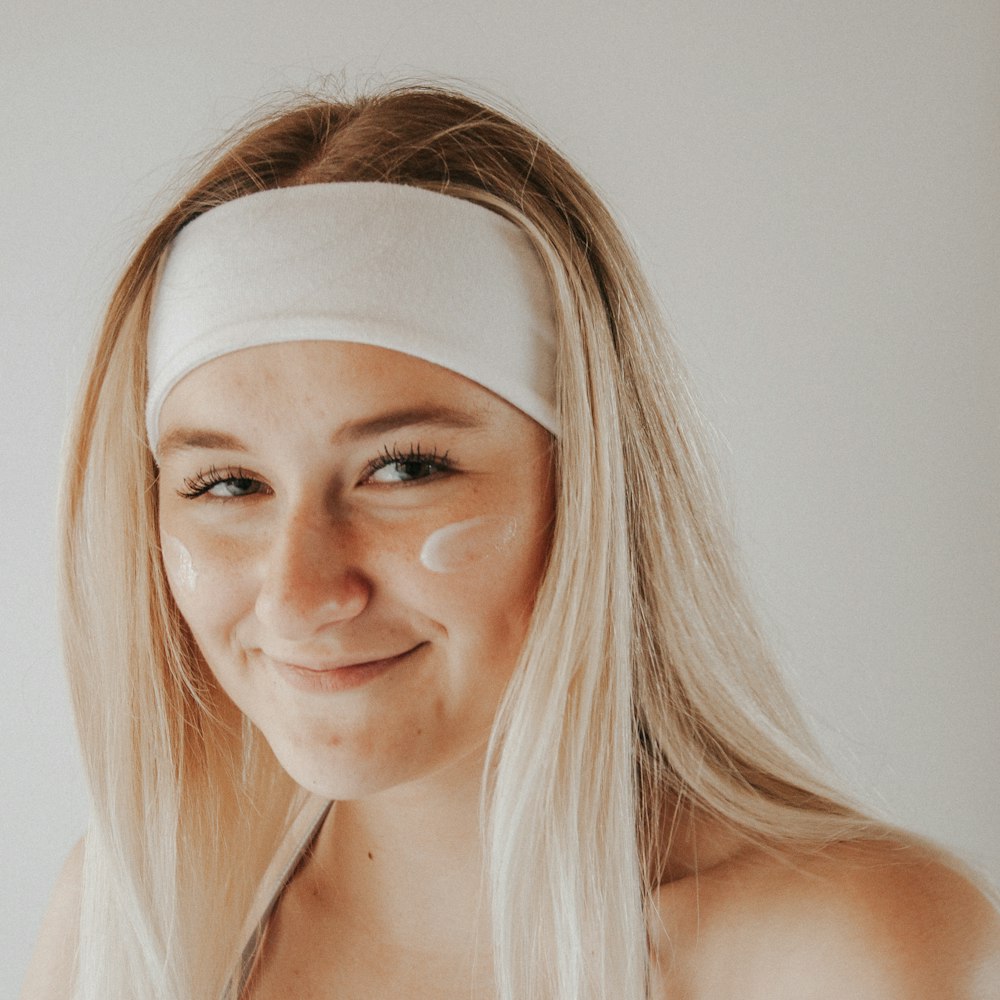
x: 331, y: 383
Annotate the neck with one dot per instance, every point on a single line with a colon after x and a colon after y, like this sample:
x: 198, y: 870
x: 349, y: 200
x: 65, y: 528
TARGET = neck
x: 407, y: 865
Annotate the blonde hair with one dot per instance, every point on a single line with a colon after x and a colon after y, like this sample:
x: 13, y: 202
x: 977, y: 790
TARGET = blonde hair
x: 644, y: 692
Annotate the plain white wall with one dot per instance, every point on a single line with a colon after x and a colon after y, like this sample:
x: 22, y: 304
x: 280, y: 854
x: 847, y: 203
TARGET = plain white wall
x: 813, y: 187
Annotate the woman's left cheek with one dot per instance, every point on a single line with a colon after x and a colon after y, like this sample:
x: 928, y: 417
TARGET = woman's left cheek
x: 482, y: 572
x: 475, y: 543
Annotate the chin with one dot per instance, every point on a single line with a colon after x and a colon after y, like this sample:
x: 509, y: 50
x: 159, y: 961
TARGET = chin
x: 337, y: 768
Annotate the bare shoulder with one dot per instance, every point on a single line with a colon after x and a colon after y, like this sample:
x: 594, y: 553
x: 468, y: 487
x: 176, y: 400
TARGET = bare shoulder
x: 879, y: 920
x: 51, y: 972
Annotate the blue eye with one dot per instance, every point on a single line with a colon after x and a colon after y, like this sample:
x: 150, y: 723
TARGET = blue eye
x: 225, y: 484
x: 235, y: 487
x: 413, y: 465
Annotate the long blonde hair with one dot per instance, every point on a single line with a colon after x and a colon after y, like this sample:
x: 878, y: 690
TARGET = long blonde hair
x: 644, y: 690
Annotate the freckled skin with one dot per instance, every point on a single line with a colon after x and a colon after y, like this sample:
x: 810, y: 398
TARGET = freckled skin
x: 316, y: 559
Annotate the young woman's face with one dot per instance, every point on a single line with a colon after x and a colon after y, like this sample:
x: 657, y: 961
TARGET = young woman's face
x: 355, y: 538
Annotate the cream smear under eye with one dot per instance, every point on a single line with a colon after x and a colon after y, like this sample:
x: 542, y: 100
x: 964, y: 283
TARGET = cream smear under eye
x: 180, y: 566
x: 465, y: 543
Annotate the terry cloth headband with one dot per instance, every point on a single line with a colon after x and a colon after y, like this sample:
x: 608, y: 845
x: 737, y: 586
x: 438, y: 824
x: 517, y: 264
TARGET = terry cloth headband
x: 389, y: 265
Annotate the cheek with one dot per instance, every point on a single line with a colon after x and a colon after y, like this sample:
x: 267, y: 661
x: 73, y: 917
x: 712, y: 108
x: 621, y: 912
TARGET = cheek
x: 182, y: 573
x: 208, y: 581
x: 465, y: 545
x: 485, y: 572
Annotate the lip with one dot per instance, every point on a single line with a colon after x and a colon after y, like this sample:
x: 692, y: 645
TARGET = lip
x: 324, y: 679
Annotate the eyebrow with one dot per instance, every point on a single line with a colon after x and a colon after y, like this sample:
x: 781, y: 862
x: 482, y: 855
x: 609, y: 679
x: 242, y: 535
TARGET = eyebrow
x: 188, y: 438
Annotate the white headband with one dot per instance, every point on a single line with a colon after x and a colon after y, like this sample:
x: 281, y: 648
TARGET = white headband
x: 389, y: 265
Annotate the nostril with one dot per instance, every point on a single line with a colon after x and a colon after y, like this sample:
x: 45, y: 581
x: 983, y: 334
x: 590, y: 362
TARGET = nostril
x: 309, y: 583
x: 298, y: 606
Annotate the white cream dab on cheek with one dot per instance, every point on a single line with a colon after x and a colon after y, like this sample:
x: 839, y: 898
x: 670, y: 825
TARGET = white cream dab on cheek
x: 180, y: 566
x: 462, y: 544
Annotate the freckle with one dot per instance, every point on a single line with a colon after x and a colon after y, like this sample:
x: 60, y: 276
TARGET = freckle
x: 370, y: 858
x: 335, y: 740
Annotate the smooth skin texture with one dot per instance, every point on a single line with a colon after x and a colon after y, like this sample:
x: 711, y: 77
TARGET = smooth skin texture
x: 302, y: 481
x: 868, y: 921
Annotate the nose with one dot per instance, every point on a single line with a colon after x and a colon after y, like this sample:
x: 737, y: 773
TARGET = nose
x: 309, y: 579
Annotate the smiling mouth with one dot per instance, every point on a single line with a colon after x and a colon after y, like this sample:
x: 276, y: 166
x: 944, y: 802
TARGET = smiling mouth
x: 327, y: 679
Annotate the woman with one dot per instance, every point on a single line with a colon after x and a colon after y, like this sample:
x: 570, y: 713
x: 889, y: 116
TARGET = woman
x: 387, y: 492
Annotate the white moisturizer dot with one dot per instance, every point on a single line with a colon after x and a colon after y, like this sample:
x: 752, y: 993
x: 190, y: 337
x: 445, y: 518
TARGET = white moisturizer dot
x: 462, y: 544
x: 180, y: 566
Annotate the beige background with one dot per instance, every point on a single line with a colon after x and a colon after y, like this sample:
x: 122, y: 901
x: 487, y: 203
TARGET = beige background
x: 814, y: 187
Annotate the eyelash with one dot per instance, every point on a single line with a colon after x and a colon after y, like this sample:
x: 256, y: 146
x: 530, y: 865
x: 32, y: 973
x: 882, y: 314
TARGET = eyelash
x: 413, y: 455
x: 199, y: 485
